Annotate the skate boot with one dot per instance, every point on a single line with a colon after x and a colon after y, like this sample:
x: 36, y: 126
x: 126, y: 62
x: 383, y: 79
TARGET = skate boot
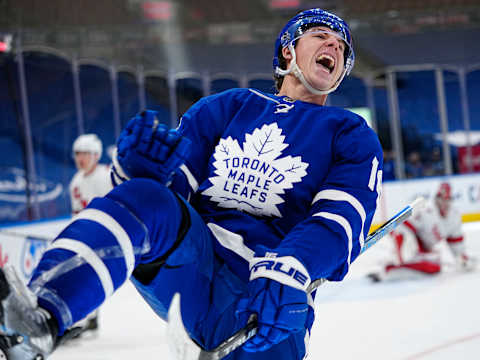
x: 86, y: 328
x: 28, y: 332
x: 92, y: 323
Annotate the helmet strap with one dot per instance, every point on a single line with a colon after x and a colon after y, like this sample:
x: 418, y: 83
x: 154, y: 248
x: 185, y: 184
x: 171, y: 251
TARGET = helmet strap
x: 294, y: 68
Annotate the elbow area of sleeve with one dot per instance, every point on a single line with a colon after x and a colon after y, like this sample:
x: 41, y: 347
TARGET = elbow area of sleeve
x: 322, y: 246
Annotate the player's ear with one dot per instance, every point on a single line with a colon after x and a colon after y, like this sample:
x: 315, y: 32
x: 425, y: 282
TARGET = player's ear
x: 287, y: 54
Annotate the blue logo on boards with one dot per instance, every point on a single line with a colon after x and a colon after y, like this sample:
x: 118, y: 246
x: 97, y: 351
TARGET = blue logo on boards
x: 32, y: 252
x: 14, y: 188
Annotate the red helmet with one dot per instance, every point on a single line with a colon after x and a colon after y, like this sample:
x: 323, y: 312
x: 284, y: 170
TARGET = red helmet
x: 443, y: 198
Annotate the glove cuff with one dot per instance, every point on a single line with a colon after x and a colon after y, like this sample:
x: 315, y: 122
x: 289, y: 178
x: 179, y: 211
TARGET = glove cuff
x: 117, y: 173
x: 457, y: 248
x: 285, y: 269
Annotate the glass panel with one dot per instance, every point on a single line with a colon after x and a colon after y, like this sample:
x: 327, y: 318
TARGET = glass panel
x: 419, y: 120
x: 382, y: 117
x: 219, y: 85
x: 128, y: 96
x: 473, y: 89
x: 54, y: 127
x: 13, y: 201
x: 96, y: 94
x: 265, y: 85
x: 158, y: 97
x: 350, y: 94
x: 189, y: 91
x: 455, y: 126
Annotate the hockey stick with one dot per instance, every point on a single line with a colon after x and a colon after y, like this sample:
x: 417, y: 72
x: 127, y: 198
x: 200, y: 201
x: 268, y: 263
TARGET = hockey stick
x: 184, y: 348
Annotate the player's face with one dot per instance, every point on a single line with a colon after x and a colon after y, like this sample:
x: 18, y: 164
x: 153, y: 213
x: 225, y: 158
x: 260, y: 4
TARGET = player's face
x: 85, y: 161
x: 443, y: 205
x: 320, y: 56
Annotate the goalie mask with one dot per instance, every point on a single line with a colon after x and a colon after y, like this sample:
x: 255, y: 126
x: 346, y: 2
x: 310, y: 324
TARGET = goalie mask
x: 443, y: 198
x: 296, y: 28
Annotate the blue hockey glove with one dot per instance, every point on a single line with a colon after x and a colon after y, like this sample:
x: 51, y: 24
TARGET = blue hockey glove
x: 277, y: 294
x: 148, y: 149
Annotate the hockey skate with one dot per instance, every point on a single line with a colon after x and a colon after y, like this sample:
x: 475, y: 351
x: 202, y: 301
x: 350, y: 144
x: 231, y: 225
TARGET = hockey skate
x: 375, y: 277
x: 27, y: 331
x: 86, y: 328
x: 466, y: 263
x: 91, y: 325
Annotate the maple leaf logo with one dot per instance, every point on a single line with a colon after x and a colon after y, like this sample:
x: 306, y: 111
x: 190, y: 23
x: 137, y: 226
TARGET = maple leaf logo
x: 253, y: 179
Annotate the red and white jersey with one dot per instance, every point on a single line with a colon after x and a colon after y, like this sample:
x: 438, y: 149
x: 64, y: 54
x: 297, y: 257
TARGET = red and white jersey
x: 84, y: 188
x: 429, y: 227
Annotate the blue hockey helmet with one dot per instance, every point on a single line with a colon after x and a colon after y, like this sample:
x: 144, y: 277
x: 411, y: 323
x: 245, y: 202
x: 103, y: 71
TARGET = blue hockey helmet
x: 304, y: 20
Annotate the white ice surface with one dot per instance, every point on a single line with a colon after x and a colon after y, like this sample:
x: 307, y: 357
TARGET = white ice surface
x: 436, y: 318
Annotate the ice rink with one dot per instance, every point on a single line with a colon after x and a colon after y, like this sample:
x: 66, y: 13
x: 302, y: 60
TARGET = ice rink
x: 436, y: 318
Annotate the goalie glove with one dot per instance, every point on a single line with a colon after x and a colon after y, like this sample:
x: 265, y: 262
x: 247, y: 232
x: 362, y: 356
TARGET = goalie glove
x: 277, y: 294
x: 148, y: 149
x: 464, y: 262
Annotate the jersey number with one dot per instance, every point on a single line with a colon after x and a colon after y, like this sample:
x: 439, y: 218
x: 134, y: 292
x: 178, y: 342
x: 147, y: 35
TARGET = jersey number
x: 375, y: 176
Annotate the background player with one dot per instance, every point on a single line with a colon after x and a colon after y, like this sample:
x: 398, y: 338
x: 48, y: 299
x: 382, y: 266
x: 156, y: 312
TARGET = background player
x: 278, y: 190
x: 417, y: 240
x: 91, y: 180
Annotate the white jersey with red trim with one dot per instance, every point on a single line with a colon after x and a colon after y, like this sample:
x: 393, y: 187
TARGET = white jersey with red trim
x: 430, y: 227
x: 83, y: 188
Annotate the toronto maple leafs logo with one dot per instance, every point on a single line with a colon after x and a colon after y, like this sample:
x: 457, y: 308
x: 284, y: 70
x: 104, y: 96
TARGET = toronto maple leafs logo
x: 253, y: 179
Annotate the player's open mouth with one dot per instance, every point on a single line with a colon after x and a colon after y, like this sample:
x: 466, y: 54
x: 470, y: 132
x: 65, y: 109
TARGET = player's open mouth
x: 327, y: 61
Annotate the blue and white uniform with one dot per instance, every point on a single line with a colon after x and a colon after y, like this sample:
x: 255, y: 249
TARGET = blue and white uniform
x: 292, y: 176
x: 282, y: 173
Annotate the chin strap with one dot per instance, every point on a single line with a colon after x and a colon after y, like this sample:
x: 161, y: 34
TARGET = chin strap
x: 299, y: 75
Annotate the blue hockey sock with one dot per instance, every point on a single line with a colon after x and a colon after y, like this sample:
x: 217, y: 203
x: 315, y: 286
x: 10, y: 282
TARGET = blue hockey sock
x: 135, y: 223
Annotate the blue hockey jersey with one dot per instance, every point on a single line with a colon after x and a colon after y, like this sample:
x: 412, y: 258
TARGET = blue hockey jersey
x: 293, y: 176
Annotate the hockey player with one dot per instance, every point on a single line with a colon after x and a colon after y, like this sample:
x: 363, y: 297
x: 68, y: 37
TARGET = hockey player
x: 91, y: 180
x: 277, y: 191
x: 437, y: 222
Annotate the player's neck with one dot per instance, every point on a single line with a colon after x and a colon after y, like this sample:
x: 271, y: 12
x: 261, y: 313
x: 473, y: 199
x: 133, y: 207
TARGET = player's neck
x: 295, y: 90
x: 90, y: 171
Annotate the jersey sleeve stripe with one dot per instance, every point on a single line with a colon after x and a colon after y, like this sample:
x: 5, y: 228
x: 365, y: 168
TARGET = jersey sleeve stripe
x: 346, y: 226
x: 190, y: 178
x: 231, y: 241
x: 117, y: 168
x: 116, y: 229
x: 52, y: 297
x: 116, y: 180
x: 90, y: 257
x: 338, y: 195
